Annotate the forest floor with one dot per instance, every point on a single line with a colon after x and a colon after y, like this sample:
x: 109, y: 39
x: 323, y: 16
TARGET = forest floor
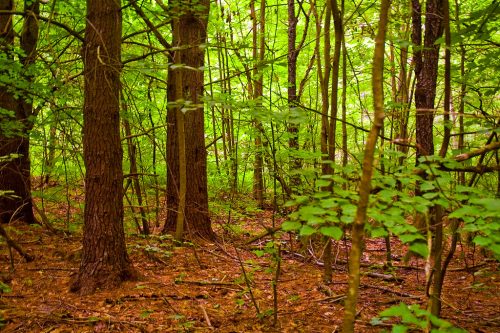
x: 203, y: 288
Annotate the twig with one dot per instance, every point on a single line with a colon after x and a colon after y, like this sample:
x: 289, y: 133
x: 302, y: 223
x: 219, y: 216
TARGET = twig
x: 247, y: 281
x: 205, y: 315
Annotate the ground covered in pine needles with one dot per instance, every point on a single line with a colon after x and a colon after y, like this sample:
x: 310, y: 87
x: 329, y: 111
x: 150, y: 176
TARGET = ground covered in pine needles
x: 221, y: 286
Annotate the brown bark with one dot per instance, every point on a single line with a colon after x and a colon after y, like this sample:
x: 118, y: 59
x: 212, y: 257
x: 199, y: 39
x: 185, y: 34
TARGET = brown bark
x: 105, y: 263
x: 293, y: 98
x: 15, y: 173
x: 426, y: 69
x: 339, y: 32
x: 358, y: 226
x: 258, y: 36
x: 324, y: 79
x: 191, y: 26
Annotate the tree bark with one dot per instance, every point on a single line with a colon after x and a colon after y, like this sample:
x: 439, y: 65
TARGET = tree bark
x: 190, y: 33
x: 258, y: 36
x: 293, y: 125
x: 426, y: 70
x: 358, y: 226
x: 15, y: 172
x: 105, y: 263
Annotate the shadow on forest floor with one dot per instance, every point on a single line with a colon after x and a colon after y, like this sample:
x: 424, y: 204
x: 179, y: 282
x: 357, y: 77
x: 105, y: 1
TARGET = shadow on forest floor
x: 189, y: 290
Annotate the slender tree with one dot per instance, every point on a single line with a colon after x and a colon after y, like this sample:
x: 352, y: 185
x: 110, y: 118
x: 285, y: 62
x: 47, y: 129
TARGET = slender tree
x: 258, y: 52
x: 358, y: 225
x: 426, y: 70
x: 105, y: 263
x: 184, y: 93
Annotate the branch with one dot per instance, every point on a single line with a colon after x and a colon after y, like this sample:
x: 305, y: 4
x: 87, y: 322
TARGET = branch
x: 72, y: 32
x: 150, y: 25
x: 477, y: 152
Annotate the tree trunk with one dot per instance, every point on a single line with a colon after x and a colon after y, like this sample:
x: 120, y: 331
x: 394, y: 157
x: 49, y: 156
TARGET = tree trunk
x: 188, y: 37
x: 426, y: 70
x: 105, y: 262
x: 134, y: 177
x: 15, y: 172
x: 358, y: 226
x: 258, y: 36
x: 332, y: 131
x: 293, y: 125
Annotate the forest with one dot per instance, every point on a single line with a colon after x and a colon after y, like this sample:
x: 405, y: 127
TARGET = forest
x: 253, y: 166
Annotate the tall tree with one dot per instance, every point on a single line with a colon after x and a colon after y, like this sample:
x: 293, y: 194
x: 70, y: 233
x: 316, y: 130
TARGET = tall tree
x: 105, y: 263
x: 358, y: 225
x: 426, y: 60
x: 15, y: 173
x: 258, y: 53
x: 184, y: 94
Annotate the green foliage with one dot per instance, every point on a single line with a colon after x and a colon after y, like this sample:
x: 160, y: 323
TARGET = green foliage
x: 481, y: 215
x: 413, y: 317
x: 5, y: 288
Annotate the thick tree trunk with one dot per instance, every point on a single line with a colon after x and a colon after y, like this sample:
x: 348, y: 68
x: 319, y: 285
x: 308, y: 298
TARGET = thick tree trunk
x: 15, y: 172
x: 192, y: 32
x: 105, y: 262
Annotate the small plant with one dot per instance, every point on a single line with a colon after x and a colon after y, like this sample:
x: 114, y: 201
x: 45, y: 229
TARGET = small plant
x: 145, y: 313
x: 5, y: 288
x: 182, y: 322
x: 412, y: 317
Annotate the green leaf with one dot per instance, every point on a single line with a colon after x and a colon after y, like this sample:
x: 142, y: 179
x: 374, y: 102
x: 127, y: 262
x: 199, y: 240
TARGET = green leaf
x: 408, y: 238
x: 322, y: 182
x: 379, y: 232
x: 399, y: 329
x: 307, y: 230
x: 465, y: 210
x: 430, y: 195
x: 482, y: 241
x: 332, y: 231
x: 491, y: 204
x: 291, y: 225
x: 420, y: 248
x: 306, y: 212
x: 259, y: 253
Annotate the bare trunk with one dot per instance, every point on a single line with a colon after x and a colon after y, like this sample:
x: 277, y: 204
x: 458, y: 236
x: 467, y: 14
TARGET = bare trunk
x: 189, y: 33
x: 105, y: 263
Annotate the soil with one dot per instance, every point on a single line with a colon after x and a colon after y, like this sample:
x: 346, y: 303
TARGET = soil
x: 203, y: 288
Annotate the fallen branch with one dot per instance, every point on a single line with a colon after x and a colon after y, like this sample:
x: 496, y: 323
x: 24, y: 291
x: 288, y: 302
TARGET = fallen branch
x: 269, y: 231
x: 385, y: 277
x: 392, y: 291
x: 45, y: 220
x: 12, y: 244
x: 208, y: 283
